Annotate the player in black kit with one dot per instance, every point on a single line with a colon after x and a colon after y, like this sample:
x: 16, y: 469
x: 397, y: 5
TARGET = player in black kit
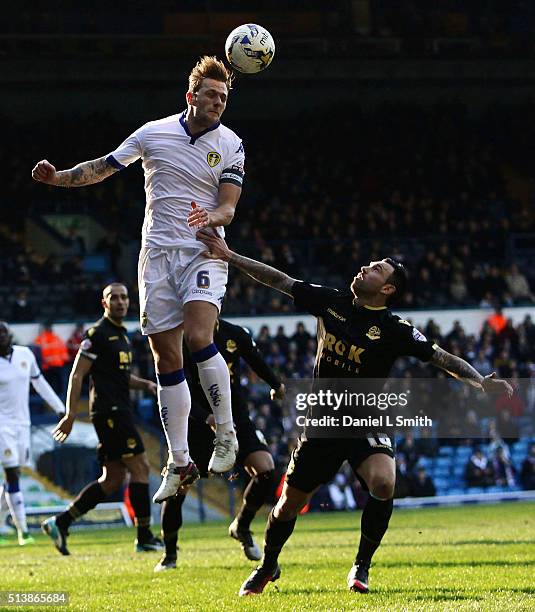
x: 106, y: 355
x: 234, y: 343
x: 358, y: 337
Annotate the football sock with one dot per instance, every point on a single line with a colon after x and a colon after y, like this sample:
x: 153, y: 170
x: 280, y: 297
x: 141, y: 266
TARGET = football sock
x: 139, y: 498
x: 373, y: 526
x: 4, y: 508
x: 172, y: 522
x: 174, y: 400
x: 215, y: 381
x: 277, y: 533
x: 15, y: 502
x: 254, y: 497
x: 87, y: 499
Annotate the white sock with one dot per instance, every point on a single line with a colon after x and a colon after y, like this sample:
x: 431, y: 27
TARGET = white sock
x: 15, y: 501
x: 4, y: 508
x: 215, y: 381
x: 175, y: 404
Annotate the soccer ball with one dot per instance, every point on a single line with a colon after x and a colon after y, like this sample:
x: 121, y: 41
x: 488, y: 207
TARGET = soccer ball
x: 250, y: 48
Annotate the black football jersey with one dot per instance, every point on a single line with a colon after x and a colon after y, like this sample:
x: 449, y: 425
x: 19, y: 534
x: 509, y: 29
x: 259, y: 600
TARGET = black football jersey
x: 108, y: 347
x: 357, y: 341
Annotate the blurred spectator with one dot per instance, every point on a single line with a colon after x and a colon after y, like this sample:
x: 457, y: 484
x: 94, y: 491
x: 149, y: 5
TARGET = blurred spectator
x: 54, y: 356
x: 281, y: 339
x: 471, y: 428
x: 497, y: 321
x: 421, y: 485
x: 527, y: 475
x: 402, y: 488
x: 263, y: 340
x: 407, y: 446
x: 426, y: 444
x: 74, y: 341
x: 301, y: 338
x: 22, y: 310
x: 479, y: 470
x: 518, y: 285
x: 502, y: 468
x: 458, y: 289
x: 341, y: 494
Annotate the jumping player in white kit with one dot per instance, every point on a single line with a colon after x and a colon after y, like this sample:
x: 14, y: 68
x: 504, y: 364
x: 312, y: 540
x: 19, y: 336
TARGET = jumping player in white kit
x: 194, y: 169
x: 18, y: 368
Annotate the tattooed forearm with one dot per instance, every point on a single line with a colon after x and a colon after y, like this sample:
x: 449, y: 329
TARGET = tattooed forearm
x: 86, y: 173
x: 456, y: 367
x: 264, y: 274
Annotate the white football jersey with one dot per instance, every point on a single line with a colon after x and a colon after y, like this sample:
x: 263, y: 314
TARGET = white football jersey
x: 180, y: 169
x: 16, y: 371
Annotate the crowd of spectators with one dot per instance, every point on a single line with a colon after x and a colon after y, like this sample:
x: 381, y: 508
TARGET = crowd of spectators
x: 429, y: 186
x: 482, y: 446
x: 502, y: 347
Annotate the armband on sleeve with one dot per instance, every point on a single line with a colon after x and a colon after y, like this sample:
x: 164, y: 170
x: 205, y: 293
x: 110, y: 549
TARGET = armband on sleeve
x: 232, y: 174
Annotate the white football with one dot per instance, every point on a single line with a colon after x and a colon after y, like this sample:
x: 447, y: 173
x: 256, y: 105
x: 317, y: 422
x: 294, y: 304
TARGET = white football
x: 250, y: 48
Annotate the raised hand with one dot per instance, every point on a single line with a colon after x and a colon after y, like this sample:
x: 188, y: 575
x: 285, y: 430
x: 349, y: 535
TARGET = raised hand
x: 45, y: 172
x: 491, y: 384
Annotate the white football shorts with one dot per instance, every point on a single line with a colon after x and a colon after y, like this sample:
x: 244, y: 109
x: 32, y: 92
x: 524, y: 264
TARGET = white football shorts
x: 14, y: 446
x: 169, y: 278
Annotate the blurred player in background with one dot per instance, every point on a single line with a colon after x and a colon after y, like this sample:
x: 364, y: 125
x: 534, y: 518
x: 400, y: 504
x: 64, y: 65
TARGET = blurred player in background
x: 234, y: 343
x: 106, y: 355
x: 18, y: 368
x: 194, y: 168
x: 359, y: 318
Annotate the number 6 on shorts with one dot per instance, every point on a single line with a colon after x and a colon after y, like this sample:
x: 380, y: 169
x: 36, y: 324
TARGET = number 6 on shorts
x: 203, y: 279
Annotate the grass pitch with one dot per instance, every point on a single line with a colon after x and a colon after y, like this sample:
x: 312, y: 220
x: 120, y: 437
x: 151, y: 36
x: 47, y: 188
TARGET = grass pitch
x: 468, y: 558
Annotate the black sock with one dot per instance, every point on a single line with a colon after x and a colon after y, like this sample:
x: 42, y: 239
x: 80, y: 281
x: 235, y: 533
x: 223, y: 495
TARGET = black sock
x: 87, y: 499
x: 373, y: 526
x: 140, y: 500
x: 254, y: 497
x: 171, y: 522
x: 276, y: 536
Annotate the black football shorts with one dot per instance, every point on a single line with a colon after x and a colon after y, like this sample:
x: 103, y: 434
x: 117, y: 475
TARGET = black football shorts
x: 316, y: 461
x: 118, y: 436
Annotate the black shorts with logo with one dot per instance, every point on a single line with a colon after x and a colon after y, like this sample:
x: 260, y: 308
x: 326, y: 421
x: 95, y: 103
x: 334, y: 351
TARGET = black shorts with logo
x: 118, y: 436
x: 316, y: 461
x: 201, y: 441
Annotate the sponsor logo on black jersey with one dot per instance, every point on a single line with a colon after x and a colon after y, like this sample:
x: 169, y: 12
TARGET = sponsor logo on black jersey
x: 333, y: 345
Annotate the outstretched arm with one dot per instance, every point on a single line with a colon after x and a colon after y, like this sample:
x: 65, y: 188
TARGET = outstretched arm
x: 86, y: 173
x: 218, y: 249
x: 80, y: 369
x: 461, y: 369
